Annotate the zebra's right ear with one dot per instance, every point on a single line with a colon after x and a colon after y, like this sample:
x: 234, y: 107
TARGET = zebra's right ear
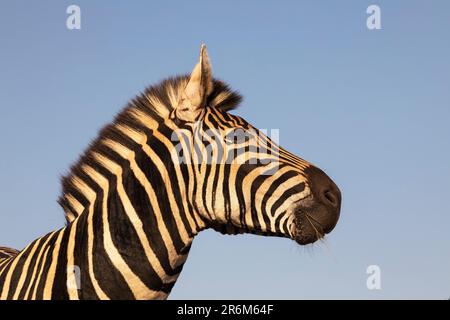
x: 199, y: 87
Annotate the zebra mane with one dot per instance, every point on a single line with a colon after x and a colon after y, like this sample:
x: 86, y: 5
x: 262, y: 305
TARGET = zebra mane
x: 6, y: 253
x: 155, y: 104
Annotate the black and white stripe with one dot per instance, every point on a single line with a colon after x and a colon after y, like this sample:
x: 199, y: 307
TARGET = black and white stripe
x: 133, y: 208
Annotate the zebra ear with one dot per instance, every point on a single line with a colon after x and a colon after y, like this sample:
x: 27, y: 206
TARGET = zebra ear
x: 199, y: 87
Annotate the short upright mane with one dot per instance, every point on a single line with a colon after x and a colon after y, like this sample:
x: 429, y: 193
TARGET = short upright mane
x: 156, y: 102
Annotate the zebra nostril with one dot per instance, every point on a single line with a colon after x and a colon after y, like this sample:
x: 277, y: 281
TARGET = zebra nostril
x: 324, y: 189
x: 330, y: 197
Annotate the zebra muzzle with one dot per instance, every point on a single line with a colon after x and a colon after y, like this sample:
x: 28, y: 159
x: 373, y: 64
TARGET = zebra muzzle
x: 318, y: 214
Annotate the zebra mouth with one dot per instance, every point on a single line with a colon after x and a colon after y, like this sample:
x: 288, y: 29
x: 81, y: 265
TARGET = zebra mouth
x: 308, y: 229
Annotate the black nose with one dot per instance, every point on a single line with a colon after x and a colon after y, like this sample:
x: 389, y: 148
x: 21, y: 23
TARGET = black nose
x: 323, y: 188
x: 327, y: 195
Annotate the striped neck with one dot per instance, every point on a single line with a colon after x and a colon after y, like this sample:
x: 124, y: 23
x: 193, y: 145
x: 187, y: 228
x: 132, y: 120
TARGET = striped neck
x: 137, y: 166
x: 134, y: 203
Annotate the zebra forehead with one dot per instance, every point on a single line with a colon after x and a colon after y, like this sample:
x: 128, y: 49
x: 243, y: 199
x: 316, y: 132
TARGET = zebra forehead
x: 148, y: 109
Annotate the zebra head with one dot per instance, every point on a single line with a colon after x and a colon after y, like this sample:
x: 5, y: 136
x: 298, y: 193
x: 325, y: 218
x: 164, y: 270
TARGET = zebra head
x: 244, y: 181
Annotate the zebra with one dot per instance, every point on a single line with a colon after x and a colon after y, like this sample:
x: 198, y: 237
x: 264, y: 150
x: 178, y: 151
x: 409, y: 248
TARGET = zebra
x: 145, y: 187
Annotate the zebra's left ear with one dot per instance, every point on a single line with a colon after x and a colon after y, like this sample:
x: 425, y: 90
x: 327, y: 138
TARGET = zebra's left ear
x: 199, y: 87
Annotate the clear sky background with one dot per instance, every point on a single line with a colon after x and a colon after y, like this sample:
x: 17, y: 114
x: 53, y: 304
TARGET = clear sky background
x: 371, y: 108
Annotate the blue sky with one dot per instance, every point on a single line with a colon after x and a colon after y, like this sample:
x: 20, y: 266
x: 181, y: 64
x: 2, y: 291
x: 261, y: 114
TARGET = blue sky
x: 371, y: 108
